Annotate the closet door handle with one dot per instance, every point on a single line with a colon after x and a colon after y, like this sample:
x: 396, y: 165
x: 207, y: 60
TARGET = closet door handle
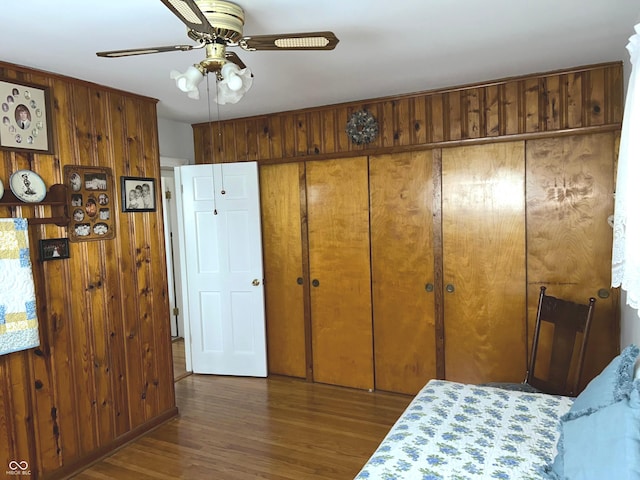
x: 315, y: 282
x: 429, y: 287
x: 255, y: 282
x: 299, y: 281
x: 450, y: 288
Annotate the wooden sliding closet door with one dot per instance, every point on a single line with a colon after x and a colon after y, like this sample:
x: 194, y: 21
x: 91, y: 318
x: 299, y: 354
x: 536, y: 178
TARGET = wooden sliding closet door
x: 282, y: 247
x: 483, y: 223
x: 401, y: 190
x: 339, y: 268
x: 570, y: 185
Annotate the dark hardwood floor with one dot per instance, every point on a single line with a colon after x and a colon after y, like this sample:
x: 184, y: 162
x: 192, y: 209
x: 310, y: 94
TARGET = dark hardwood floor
x: 240, y: 428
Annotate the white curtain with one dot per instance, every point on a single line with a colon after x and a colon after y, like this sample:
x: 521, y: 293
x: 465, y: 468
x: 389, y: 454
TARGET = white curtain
x: 626, y: 224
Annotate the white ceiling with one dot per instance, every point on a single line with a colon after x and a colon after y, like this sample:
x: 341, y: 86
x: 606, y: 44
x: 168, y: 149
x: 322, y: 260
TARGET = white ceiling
x: 387, y: 47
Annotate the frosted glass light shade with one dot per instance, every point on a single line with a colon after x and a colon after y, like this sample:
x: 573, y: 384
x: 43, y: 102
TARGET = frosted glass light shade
x: 234, y: 84
x: 188, y: 81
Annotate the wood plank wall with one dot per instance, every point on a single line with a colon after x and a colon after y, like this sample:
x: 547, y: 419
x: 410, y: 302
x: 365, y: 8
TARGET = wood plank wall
x: 103, y: 372
x: 580, y: 98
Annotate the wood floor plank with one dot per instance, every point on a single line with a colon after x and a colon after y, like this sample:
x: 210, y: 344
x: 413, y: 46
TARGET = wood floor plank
x: 239, y: 428
x: 179, y: 361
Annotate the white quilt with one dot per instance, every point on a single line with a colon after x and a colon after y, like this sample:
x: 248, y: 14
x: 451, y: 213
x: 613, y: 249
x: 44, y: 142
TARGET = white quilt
x: 457, y: 431
x: 18, y: 320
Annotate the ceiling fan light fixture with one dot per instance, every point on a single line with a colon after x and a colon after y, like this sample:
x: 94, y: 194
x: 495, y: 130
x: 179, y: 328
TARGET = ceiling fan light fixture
x: 230, y: 74
x: 216, y: 25
x: 189, y: 80
x: 234, y: 83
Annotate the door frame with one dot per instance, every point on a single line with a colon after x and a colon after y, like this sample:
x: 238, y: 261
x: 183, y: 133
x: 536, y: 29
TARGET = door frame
x: 168, y: 166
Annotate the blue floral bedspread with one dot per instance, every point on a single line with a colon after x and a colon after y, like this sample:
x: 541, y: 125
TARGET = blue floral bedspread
x: 458, y: 431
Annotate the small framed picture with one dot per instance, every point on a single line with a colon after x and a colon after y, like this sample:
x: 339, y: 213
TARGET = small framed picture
x: 26, y: 117
x: 138, y: 194
x: 54, y: 249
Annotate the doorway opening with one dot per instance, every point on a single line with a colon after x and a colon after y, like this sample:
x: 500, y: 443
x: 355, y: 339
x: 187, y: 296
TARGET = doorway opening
x: 172, y: 249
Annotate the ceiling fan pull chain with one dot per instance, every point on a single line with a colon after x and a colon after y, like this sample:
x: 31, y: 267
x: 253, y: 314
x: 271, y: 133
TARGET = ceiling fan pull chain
x: 213, y: 152
x: 222, y: 191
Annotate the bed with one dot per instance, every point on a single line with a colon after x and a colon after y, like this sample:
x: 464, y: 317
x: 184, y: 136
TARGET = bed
x: 453, y: 430
x: 458, y: 431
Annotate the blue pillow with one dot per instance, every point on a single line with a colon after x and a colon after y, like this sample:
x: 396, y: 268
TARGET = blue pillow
x: 605, y: 444
x: 611, y: 385
x: 555, y: 471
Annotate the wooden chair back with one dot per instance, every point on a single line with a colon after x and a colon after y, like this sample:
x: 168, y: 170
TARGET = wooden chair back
x: 557, y: 371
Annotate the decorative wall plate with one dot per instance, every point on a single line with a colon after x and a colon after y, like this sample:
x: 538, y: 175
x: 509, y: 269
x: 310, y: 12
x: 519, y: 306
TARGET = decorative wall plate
x: 28, y: 186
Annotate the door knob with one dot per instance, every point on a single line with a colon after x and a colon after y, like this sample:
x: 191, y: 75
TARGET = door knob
x: 315, y: 282
x: 255, y: 282
x: 450, y: 288
x: 299, y: 280
x: 429, y: 287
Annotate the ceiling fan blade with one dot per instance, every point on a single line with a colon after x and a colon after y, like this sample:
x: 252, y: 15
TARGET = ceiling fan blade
x: 232, y: 57
x: 144, y: 51
x: 291, y: 41
x: 190, y: 14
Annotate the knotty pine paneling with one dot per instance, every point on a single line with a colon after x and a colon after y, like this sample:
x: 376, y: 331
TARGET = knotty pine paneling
x: 103, y: 371
x: 580, y: 97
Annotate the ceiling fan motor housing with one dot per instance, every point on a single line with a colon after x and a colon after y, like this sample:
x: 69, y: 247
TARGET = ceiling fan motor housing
x: 226, y: 18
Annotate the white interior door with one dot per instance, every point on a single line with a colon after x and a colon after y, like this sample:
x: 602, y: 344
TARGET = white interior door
x: 220, y: 206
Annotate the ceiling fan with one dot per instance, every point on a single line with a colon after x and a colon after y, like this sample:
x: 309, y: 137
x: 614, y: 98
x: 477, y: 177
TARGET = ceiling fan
x: 216, y: 25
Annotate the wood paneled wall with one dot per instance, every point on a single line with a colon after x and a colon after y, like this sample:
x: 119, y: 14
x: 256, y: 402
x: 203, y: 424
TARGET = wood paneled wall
x: 103, y: 372
x: 573, y: 99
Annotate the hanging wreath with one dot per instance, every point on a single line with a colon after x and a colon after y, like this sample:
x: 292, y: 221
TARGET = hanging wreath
x: 362, y: 127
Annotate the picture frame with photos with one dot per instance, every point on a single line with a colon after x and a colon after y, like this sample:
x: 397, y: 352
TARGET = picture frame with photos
x: 91, y: 203
x: 138, y: 194
x: 54, y: 249
x: 25, y: 117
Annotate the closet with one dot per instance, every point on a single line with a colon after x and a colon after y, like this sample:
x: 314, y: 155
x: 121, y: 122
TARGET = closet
x: 401, y: 190
x: 483, y: 237
x: 318, y: 300
x: 283, y: 265
x: 340, y: 272
x: 421, y: 254
x: 570, y: 185
x: 388, y: 270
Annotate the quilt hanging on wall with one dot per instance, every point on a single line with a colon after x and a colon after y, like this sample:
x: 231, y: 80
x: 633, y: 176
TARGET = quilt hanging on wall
x: 18, y: 320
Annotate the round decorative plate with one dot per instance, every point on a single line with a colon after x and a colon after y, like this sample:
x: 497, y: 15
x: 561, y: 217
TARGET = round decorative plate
x: 27, y: 186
